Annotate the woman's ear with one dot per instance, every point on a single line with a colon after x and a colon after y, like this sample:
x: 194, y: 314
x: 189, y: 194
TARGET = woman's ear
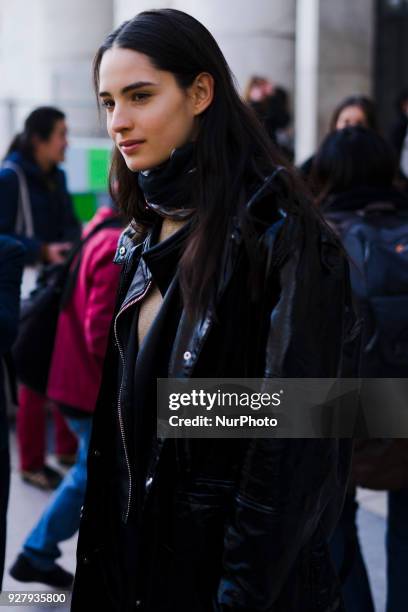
x: 202, y: 92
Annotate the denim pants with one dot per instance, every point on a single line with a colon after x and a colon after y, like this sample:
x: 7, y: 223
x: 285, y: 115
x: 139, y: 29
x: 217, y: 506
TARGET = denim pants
x: 4, y: 495
x: 356, y: 589
x: 60, y: 520
x: 397, y: 551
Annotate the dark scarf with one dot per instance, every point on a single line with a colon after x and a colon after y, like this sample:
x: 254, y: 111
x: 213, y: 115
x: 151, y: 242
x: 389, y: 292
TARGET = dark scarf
x: 168, y: 189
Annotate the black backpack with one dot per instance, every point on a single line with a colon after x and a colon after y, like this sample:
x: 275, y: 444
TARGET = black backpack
x: 376, y: 240
x: 32, y: 351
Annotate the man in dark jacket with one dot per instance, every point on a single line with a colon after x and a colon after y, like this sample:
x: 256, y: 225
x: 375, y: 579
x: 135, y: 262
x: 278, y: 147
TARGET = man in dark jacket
x: 11, y: 268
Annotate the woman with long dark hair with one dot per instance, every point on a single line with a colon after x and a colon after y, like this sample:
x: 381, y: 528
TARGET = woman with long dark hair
x: 226, y: 273
x: 37, y: 210
x: 34, y: 155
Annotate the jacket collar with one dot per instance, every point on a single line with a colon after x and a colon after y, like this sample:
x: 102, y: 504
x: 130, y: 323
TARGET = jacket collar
x: 127, y: 243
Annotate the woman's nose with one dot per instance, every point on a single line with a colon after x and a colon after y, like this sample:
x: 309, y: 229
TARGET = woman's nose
x: 121, y: 120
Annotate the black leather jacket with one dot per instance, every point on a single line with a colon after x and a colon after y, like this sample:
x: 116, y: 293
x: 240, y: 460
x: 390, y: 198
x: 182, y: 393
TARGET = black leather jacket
x: 224, y: 525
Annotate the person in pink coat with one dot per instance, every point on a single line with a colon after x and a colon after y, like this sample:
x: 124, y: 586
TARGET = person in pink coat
x: 75, y: 376
x: 80, y: 346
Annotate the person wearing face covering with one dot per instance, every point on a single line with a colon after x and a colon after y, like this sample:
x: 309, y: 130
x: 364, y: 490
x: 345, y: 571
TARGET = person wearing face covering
x: 226, y: 272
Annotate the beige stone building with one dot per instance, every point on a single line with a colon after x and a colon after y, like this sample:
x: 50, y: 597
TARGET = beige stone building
x: 320, y: 50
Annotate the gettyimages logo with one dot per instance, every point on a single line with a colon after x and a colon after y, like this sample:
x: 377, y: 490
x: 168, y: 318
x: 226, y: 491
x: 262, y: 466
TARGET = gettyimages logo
x: 221, y: 399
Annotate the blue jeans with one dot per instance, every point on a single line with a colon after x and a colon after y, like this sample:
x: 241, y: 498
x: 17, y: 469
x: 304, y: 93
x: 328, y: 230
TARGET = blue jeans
x: 356, y: 588
x: 345, y: 548
x: 397, y: 551
x: 60, y: 520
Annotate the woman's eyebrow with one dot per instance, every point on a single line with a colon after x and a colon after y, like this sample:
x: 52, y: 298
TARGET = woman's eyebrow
x: 131, y: 87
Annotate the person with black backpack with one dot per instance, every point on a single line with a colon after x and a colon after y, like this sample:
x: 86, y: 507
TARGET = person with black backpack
x: 354, y: 170
x: 37, y: 210
x: 73, y: 384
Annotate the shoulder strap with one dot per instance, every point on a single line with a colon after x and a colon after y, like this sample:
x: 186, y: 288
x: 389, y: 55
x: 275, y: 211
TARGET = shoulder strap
x: 73, y: 275
x: 24, y: 220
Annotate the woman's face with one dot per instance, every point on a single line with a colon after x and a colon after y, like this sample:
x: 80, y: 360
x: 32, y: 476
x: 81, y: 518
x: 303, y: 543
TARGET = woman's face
x: 52, y: 150
x: 351, y: 116
x: 147, y: 113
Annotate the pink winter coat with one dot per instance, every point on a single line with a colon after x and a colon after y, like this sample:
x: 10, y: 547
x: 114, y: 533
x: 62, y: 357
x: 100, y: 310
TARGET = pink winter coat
x: 83, y: 326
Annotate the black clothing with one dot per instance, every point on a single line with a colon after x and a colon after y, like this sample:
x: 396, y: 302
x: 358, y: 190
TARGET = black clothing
x: 363, y: 196
x: 218, y: 525
x: 4, y: 496
x: 398, y: 132
x: 11, y: 269
x: 72, y: 412
x: 373, y: 223
x: 168, y: 189
x: 306, y: 167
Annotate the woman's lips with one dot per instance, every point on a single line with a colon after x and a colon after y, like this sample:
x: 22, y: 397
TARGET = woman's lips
x: 130, y: 146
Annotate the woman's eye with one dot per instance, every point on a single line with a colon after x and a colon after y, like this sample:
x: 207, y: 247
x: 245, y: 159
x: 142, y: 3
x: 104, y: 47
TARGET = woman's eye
x: 108, y: 104
x: 140, y: 97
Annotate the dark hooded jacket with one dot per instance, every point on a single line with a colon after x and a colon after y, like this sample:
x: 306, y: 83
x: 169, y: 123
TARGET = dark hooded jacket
x: 206, y: 525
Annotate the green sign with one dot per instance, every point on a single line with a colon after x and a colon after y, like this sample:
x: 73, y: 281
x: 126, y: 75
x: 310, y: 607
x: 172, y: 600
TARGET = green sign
x: 98, y: 169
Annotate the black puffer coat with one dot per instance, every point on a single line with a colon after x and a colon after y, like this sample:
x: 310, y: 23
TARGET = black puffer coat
x: 219, y: 525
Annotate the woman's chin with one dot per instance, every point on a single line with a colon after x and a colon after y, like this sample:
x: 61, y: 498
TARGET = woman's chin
x: 136, y: 165
x: 139, y: 164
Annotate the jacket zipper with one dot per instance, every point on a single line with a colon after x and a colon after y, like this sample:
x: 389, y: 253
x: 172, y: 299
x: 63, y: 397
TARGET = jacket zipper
x: 120, y: 416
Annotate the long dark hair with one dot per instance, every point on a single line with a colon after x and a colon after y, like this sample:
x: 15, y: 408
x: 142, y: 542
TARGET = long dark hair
x: 366, y: 105
x: 232, y: 149
x: 40, y: 123
x: 350, y: 158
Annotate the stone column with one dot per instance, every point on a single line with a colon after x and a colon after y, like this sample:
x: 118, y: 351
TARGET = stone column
x: 73, y: 30
x: 307, y: 72
x: 46, y: 51
x: 346, y: 40
x: 256, y: 37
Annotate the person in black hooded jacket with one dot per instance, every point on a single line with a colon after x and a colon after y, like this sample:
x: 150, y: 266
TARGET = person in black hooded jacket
x: 227, y: 272
x: 354, y: 171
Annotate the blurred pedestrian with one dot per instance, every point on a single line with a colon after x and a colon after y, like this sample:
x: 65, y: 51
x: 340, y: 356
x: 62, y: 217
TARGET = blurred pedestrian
x: 398, y: 132
x: 11, y: 269
x: 354, y: 170
x: 37, y: 209
x: 74, y: 381
x: 223, y: 275
x: 352, y: 111
x: 270, y: 103
x: 398, y: 129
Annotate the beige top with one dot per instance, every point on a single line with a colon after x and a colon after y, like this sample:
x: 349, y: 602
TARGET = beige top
x: 152, y: 301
